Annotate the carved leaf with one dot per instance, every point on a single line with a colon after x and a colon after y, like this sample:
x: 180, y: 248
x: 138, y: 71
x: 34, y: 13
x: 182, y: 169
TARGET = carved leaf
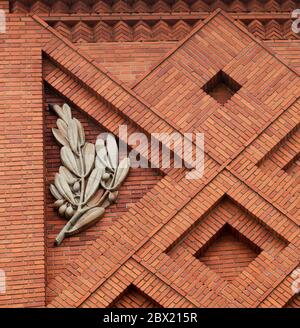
x: 81, y: 134
x: 55, y: 192
x: 60, y: 112
x: 121, y: 173
x: 112, y: 149
x: 73, y: 135
x: 94, y: 201
x: 63, y: 127
x: 67, y: 111
x: 101, y: 154
x: 93, y: 183
x: 69, y: 160
x: 63, y: 188
x: 87, y: 219
x: 88, y: 152
x: 67, y: 174
x: 59, y: 137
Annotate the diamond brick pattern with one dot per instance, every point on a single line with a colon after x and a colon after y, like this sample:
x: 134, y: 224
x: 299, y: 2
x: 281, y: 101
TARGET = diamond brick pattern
x: 133, y: 298
x: 221, y: 87
x: 229, y: 239
x: 228, y: 254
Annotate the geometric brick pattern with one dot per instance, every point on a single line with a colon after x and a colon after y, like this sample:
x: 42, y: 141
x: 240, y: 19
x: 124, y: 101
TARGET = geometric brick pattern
x: 227, y: 254
x: 133, y: 298
x: 229, y: 247
x: 164, y: 249
x: 137, y: 184
x: 161, y: 20
x: 221, y: 87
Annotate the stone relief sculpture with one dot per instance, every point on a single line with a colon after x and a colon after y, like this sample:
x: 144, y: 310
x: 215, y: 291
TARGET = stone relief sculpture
x: 89, y: 178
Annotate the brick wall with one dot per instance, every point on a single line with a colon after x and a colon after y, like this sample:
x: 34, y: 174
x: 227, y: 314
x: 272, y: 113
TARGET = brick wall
x: 22, y: 213
x: 138, y: 183
x: 127, y: 61
x: 164, y: 242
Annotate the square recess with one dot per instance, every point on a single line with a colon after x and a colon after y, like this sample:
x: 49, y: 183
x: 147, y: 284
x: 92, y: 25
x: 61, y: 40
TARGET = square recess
x: 221, y: 87
x: 228, y: 252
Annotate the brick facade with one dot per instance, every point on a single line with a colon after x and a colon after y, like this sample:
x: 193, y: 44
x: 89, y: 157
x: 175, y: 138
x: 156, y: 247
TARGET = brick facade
x: 229, y: 69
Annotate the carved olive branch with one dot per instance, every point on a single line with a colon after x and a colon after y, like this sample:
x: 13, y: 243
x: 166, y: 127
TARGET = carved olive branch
x: 88, y: 181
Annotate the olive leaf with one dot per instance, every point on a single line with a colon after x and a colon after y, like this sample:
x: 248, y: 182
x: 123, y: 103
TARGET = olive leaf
x: 93, y: 183
x: 60, y: 112
x: 73, y: 135
x: 112, y: 149
x: 67, y: 111
x: 121, y: 173
x: 60, y: 137
x: 94, y: 201
x: 88, y: 152
x: 101, y: 151
x: 68, y: 175
x: 69, y: 160
x: 81, y: 134
x: 63, y: 188
x: 86, y: 220
x: 55, y: 192
x: 63, y: 127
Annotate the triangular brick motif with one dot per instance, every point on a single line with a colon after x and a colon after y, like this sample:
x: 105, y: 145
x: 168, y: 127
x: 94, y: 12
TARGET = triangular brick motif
x: 273, y: 30
x: 218, y: 4
x: 101, y: 6
x: 80, y: 6
x: 237, y: 6
x: 81, y: 32
x: 142, y: 32
x: 64, y: 30
x: 122, y: 32
x: 161, y: 31
x: 19, y: 7
x: 288, y: 32
x: 199, y: 5
x: 60, y: 7
x: 288, y: 5
x: 160, y: 6
x: 121, y: 6
x: 180, y: 30
x: 39, y: 7
x: 257, y: 28
x: 255, y: 5
x: 140, y: 6
x: 102, y: 32
x: 272, y: 5
x: 180, y: 6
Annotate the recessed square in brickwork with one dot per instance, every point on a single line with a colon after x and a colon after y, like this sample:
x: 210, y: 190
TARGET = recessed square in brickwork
x: 134, y: 298
x: 221, y: 87
x: 228, y: 252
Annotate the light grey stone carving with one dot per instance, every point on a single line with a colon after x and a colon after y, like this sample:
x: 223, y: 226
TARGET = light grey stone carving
x: 89, y: 178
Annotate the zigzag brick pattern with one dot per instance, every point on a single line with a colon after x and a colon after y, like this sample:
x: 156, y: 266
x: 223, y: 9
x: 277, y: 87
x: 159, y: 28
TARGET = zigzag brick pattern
x: 131, y: 28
